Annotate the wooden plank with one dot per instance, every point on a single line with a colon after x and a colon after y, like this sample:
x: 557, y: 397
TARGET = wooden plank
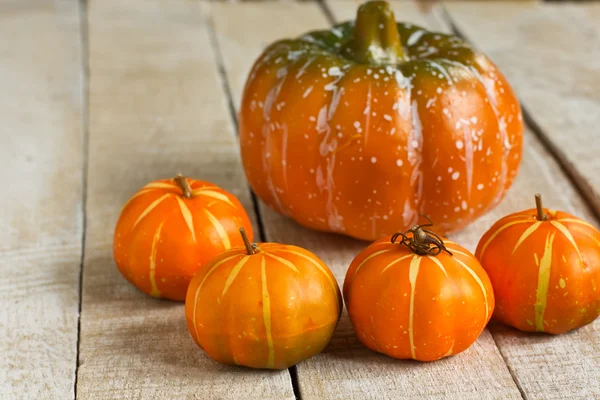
x: 566, y: 366
x: 41, y: 204
x: 346, y: 369
x: 555, y: 68
x: 156, y: 108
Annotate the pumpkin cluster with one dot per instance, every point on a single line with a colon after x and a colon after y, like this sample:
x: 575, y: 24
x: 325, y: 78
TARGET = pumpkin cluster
x: 362, y: 130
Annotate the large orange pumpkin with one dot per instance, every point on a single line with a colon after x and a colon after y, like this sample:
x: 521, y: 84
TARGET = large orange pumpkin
x: 361, y: 128
x: 263, y: 306
x: 170, y: 228
x: 545, y: 268
x: 423, y: 303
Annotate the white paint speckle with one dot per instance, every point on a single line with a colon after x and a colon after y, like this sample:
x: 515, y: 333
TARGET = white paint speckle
x: 373, y: 160
x: 399, y: 162
x: 455, y: 175
x: 459, y: 144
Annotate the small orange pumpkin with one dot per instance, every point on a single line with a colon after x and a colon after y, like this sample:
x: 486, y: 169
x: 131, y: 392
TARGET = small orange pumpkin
x: 424, y: 298
x: 170, y: 228
x: 263, y: 306
x: 545, y: 269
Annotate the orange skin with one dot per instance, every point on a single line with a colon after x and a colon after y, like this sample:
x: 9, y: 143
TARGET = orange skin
x: 269, y: 310
x: 363, y: 150
x: 162, y: 238
x: 546, y: 274
x: 449, y: 311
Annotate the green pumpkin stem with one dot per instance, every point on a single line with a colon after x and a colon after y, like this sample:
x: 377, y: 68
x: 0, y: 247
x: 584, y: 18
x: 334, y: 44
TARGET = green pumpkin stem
x: 376, y: 40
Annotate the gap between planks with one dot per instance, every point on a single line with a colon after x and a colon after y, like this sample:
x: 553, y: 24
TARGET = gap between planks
x: 83, y: 35
x: 292, y: 371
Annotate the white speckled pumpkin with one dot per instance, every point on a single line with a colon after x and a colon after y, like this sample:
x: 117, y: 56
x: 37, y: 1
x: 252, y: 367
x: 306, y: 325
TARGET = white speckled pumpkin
x: 361, y: 128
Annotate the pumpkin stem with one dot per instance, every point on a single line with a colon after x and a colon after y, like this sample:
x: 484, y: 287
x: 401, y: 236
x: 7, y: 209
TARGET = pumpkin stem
x: 375, y: 40
x: 422, y: 241
x: 540, y: 209
x: 251, y: 248
x: 184, y: 185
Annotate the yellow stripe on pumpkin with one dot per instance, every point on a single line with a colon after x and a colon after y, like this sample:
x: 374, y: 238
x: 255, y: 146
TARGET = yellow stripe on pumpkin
x: 285, y: 262
x: 368, y: 258
x: 576, y: 221
x: 395, y: 262
x: 563, y: 229
x: 439, y: 264
x: 498, y: 231
x: 233, y: 274
x: 154, y: 292
x: 413, y: 272
x: 541, y: 294
x: 449, y: 352
x: 150, y: 208
x: 219, y: 228
x: 266, y: 302
x: 187, y: 216
x: 159, y: 185
x: 212, y: 194
x: 135, y: 196
x: 212, y: 269
x: 314, y: 262
x: 526, y: 234
x: 479, y: 282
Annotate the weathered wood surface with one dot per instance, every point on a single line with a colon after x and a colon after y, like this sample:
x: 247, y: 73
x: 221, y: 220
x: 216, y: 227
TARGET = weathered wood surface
x: 551, y: 53
x: 346, y: 369
x: 558, y: 89
x: 40, y: 206
x: 156, y: 108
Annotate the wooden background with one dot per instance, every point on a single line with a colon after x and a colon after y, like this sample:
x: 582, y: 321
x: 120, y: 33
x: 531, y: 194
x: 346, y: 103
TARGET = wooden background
x: 97, y: 98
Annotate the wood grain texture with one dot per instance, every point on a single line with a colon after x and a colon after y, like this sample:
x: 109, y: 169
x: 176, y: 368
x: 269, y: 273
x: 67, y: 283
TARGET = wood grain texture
x: 566, y: 366
x: 40, y: 206
x: 157, y: 108
x: 552, y: 56
x: 347, y: 370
